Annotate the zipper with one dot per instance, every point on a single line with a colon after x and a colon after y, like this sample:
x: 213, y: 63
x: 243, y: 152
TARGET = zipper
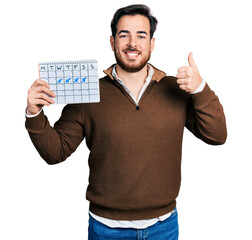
x: 145, y: 92
x: 124, y: 92
x: 130, y: 98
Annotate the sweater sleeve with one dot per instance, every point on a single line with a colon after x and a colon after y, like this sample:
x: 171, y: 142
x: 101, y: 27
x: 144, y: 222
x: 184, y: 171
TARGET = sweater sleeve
x: 205, y: 117
x: 55, y: 144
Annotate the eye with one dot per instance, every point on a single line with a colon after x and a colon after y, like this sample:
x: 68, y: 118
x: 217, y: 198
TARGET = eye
x: 142, y: 36
x: 123, y: 36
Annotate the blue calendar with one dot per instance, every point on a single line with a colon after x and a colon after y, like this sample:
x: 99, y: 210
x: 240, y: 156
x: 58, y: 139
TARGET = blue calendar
x: 72, y: 81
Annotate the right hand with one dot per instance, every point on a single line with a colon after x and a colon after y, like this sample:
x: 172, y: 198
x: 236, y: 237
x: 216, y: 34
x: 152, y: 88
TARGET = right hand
x: 37, y: 97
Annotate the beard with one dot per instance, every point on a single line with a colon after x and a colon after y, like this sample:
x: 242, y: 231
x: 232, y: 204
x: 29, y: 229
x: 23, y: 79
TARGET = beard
x: 131, y: 66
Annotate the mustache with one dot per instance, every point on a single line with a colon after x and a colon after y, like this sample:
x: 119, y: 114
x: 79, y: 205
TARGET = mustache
x: 132, y: 49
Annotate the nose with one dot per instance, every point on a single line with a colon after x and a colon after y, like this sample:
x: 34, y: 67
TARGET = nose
x: 132, y: 42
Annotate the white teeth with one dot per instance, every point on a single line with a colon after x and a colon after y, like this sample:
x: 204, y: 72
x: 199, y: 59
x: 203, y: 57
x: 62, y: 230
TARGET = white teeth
x: 132, y: 54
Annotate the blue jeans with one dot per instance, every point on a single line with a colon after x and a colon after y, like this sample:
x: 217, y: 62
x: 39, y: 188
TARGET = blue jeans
x: 165, y: 230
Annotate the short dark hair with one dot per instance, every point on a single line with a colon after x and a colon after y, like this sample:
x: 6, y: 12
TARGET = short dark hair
x: 135, y: 9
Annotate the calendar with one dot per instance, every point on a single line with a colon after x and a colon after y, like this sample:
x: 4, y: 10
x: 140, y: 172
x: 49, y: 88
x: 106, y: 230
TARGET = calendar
x: 72, y: 81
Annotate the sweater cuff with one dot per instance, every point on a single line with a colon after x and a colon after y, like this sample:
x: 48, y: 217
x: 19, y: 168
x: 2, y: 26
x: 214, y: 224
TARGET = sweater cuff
x: 31, y: 116
x: 36, y: 124
x: 202, y: 96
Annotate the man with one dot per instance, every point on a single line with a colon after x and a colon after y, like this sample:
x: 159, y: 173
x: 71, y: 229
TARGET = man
x: 134, y: 134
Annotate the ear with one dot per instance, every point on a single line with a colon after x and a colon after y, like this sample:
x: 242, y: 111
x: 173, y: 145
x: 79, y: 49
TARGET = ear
x: 152, y: 44
x: 112, y: 43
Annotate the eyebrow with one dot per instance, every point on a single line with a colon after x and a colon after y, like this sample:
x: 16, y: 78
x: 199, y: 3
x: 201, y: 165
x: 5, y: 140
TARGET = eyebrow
x: 127, y: 31
x: 123, y: 31
x: 142, y: 32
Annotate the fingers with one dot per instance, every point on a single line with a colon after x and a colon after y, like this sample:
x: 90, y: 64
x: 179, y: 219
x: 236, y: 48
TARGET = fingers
x: 39, y: 95
x: 41, y: 102
x: 40, y: 86
x: 183, y: 81
x: 38, y: 98
x: 40, y: 82
x: 43, y: 89
x: 188, y: 71
x: 184, y: 76
x: 188, y: 77
x: 184, y: 84
x: 183, y: 69
x: 184, y: 87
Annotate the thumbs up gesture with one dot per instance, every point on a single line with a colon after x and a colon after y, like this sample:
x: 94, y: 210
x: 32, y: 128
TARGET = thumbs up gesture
x: 188, y: 77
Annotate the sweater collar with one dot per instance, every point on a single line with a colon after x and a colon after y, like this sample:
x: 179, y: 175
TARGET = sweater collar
x: 157, y: 76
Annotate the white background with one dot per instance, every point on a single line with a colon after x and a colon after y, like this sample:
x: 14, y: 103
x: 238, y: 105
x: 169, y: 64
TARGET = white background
x: 39, y: 201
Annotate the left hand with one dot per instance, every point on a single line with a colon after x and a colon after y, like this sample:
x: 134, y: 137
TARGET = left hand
x: 189, y: 78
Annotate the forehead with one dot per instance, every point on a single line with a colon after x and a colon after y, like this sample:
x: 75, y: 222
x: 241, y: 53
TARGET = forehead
x: 133, y: 23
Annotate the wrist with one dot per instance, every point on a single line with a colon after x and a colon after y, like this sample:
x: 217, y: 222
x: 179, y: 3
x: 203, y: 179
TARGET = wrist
x: 30, y: 114
x: 200, y: 87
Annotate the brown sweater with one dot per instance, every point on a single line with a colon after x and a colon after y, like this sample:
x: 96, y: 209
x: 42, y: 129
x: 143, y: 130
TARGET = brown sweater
x: 135, y: 153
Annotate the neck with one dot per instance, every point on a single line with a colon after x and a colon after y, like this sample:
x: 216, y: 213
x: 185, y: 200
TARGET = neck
x: 130, y: 78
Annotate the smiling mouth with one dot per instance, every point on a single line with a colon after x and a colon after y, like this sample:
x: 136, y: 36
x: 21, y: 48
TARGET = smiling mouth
x: 132, y: 54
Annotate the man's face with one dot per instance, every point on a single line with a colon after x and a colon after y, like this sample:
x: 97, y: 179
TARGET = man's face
x: 132, y: 44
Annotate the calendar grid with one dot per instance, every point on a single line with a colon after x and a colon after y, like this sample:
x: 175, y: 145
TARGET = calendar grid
x: 88, y: 82
x: 72, y: 81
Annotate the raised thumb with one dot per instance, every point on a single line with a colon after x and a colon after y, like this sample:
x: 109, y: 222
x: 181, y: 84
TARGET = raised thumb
x: 190, y: 59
